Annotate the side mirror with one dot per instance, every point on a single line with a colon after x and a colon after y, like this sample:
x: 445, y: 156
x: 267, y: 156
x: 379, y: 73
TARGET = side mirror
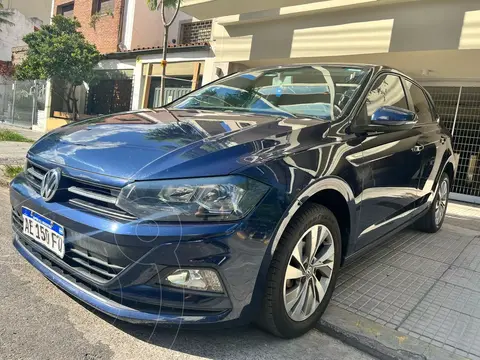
x: 394, y: 117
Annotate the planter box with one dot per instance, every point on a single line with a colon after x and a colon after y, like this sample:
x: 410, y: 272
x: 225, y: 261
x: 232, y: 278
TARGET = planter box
x: 54, y: 122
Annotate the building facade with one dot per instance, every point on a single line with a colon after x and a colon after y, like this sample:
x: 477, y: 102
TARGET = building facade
x: 130, y: 36
x: 12, y: 33
x: 436, y: 42
x: 100, y: 20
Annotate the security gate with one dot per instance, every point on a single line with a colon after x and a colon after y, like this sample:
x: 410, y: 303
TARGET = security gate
x: 22, y: 102
x: 170, y: 95
x: 110, y: 96
x: 459, y: 109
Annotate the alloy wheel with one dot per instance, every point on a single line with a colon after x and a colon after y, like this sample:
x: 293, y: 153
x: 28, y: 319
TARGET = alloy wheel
x: 308, y: 272
x: 441, y: 203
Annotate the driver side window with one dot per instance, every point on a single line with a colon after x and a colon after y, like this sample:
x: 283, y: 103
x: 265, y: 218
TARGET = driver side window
x: 387, y: 91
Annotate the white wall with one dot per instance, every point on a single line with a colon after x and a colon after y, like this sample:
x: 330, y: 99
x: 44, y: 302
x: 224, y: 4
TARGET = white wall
x: 147, y: 29
x: 31, y: 8
x: 441, y: 36
x: 11, y: 34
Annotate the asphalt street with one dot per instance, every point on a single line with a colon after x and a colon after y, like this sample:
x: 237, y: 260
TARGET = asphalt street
x: 39, y: 321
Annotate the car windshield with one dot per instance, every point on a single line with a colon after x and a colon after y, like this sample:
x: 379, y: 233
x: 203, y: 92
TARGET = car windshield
x: 304, y: 91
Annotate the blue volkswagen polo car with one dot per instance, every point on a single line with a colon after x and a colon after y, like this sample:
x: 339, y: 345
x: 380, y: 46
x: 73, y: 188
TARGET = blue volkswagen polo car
x: 238, y: 202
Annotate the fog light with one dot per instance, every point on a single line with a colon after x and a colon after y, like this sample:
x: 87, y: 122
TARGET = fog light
x: 195, y: 279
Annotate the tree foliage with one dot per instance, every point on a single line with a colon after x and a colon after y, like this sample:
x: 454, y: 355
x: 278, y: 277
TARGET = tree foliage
x: 155, y: 4
x: 59, y: 52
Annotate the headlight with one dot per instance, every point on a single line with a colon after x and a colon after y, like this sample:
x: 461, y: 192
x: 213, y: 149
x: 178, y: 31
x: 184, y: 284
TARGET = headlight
x: 203, y: 199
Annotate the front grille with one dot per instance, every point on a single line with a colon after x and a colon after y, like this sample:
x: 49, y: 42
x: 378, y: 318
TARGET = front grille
x: 91, y: 265
x: 35, y: 176
x: 81, y: 194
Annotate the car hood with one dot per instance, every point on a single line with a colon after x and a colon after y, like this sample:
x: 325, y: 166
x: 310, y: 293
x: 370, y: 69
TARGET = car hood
x: 163, y: 144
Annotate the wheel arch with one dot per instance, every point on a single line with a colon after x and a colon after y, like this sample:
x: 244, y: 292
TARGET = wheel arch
x: 313, y: 192
x: 449, y: 169
x: 336, y: 195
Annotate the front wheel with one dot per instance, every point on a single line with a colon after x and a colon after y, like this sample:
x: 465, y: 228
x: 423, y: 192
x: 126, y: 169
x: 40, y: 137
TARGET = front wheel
x: 303, y: 273
x: 432, y: 221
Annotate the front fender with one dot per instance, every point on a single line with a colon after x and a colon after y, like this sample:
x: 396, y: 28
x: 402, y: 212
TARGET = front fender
x: 328, y: 183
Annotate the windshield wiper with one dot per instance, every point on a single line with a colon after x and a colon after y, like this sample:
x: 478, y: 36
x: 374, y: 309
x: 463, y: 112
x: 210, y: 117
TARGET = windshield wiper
x: 316, y: 117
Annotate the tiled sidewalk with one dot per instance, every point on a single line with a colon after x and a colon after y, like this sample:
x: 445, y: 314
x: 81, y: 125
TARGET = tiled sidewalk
x: 424, y: 285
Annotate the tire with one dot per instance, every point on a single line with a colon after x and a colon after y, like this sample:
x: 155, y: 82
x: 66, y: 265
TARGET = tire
x: 296, y: 320
x: 431, y: 222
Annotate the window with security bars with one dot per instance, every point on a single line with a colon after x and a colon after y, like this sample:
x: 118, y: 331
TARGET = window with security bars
x: 465, y: 125
x: 196, y: 32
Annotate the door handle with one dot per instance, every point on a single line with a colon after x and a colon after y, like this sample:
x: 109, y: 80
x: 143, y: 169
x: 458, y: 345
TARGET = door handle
x: 417, y: 148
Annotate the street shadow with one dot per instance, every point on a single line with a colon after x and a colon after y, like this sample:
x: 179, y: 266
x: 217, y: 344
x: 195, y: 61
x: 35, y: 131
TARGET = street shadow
x: 244, y: 342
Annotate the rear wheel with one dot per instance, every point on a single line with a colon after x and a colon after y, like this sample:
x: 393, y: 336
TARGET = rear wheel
x: 303, y: 273
x: 432, y: 221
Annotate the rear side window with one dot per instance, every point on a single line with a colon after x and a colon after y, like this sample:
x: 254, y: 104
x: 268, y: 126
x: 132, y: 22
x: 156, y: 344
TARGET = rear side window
x: 420, y: 104
x: 387, y: 91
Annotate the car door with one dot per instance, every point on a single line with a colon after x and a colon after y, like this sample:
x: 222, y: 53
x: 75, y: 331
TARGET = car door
x: 391, y: 190
x: 431, y: 141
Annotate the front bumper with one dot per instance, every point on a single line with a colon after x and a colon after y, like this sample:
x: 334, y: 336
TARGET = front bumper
x: 235, y: 250
x: 104, y: 304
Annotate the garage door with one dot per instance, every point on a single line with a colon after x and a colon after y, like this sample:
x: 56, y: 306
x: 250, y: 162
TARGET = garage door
x: 459, y: 109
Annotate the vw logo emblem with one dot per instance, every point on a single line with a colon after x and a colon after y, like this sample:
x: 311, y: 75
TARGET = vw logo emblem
x: 50, y: 183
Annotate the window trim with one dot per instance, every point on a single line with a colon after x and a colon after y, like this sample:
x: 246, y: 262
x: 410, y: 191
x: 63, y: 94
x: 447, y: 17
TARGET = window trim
x: 96, y: 7
x: 62, y: 6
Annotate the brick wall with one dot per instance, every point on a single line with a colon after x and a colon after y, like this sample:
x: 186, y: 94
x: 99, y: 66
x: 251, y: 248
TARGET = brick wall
x: 106, y: 33
x: 196, y: 32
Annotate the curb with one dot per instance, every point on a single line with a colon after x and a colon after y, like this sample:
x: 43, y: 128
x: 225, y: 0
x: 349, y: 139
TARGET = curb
x: 377, y: 340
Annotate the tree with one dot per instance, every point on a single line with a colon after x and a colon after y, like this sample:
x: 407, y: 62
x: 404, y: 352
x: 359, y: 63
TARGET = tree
x: 162, y: 5
x: 59, y: 52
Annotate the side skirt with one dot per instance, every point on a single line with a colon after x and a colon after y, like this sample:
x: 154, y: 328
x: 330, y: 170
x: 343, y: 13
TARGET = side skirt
x: 382, y: 239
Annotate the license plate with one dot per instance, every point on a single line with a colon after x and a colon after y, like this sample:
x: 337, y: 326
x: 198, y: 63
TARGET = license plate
x: 44, y: 231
